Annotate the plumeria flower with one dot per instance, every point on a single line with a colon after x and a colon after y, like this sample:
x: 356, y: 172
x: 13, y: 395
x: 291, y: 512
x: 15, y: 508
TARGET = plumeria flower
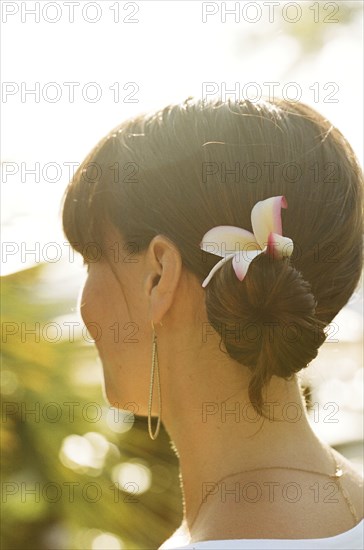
x: 266, y: 238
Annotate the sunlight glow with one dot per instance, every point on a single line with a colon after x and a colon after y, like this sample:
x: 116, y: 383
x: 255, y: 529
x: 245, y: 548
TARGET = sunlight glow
x: 119, y: 421
x: 132, y: 477
x: 84, y: 453
x: 107, y: 541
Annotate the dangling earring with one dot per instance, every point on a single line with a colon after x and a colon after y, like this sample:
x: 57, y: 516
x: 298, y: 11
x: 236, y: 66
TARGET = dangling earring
x: 155, y: 366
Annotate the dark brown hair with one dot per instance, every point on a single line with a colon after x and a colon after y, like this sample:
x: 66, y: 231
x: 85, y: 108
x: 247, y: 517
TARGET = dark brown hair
x: 189, y: 167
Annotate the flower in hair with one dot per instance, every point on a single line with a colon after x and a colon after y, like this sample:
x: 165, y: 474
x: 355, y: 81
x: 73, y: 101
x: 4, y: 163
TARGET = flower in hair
x: 266, y: 238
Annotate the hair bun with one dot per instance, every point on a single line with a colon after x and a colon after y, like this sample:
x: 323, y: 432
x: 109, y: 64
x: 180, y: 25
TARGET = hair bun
x: 267, y: 321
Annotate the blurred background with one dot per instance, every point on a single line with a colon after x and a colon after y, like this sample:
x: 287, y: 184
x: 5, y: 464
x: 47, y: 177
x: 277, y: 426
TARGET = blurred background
x: 77, y: 473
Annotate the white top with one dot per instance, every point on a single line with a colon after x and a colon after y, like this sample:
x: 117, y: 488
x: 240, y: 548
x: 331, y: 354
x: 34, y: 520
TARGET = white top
x: 349, y: 540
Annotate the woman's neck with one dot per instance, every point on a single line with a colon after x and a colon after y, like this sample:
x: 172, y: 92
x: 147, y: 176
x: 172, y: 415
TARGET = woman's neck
x: 220, y: 435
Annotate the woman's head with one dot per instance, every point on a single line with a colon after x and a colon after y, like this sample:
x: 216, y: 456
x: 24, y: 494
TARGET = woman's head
x: 185, y: 169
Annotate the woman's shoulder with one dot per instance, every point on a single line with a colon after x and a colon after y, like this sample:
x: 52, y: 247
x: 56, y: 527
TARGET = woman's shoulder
x: 349, y: 540
x: 352, y: 481
x: 352, y: 469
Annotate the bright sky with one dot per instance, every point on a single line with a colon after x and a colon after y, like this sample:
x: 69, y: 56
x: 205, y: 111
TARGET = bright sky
x: 167, y: 54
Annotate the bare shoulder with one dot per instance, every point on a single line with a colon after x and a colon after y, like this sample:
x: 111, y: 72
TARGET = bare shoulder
x: 352, y: 481
x: 351, y: 470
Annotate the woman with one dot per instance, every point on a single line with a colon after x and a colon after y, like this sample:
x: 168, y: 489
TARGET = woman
x: 230, y: 235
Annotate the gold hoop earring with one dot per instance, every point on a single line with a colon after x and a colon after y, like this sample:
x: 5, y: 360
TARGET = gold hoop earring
x: 155, y: 367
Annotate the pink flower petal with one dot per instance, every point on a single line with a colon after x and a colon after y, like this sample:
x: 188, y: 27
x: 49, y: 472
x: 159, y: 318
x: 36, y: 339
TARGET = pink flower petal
x: 224, y: 240
x: 242, y: 261
x: 266, y: 218
x: 278, y: 246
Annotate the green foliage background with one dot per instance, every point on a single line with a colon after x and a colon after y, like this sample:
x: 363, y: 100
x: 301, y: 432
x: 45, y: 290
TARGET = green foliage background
x: 31, y: 441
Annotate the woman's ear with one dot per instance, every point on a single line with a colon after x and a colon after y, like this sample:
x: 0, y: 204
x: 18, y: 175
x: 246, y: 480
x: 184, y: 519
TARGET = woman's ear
x: 164, y: 268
